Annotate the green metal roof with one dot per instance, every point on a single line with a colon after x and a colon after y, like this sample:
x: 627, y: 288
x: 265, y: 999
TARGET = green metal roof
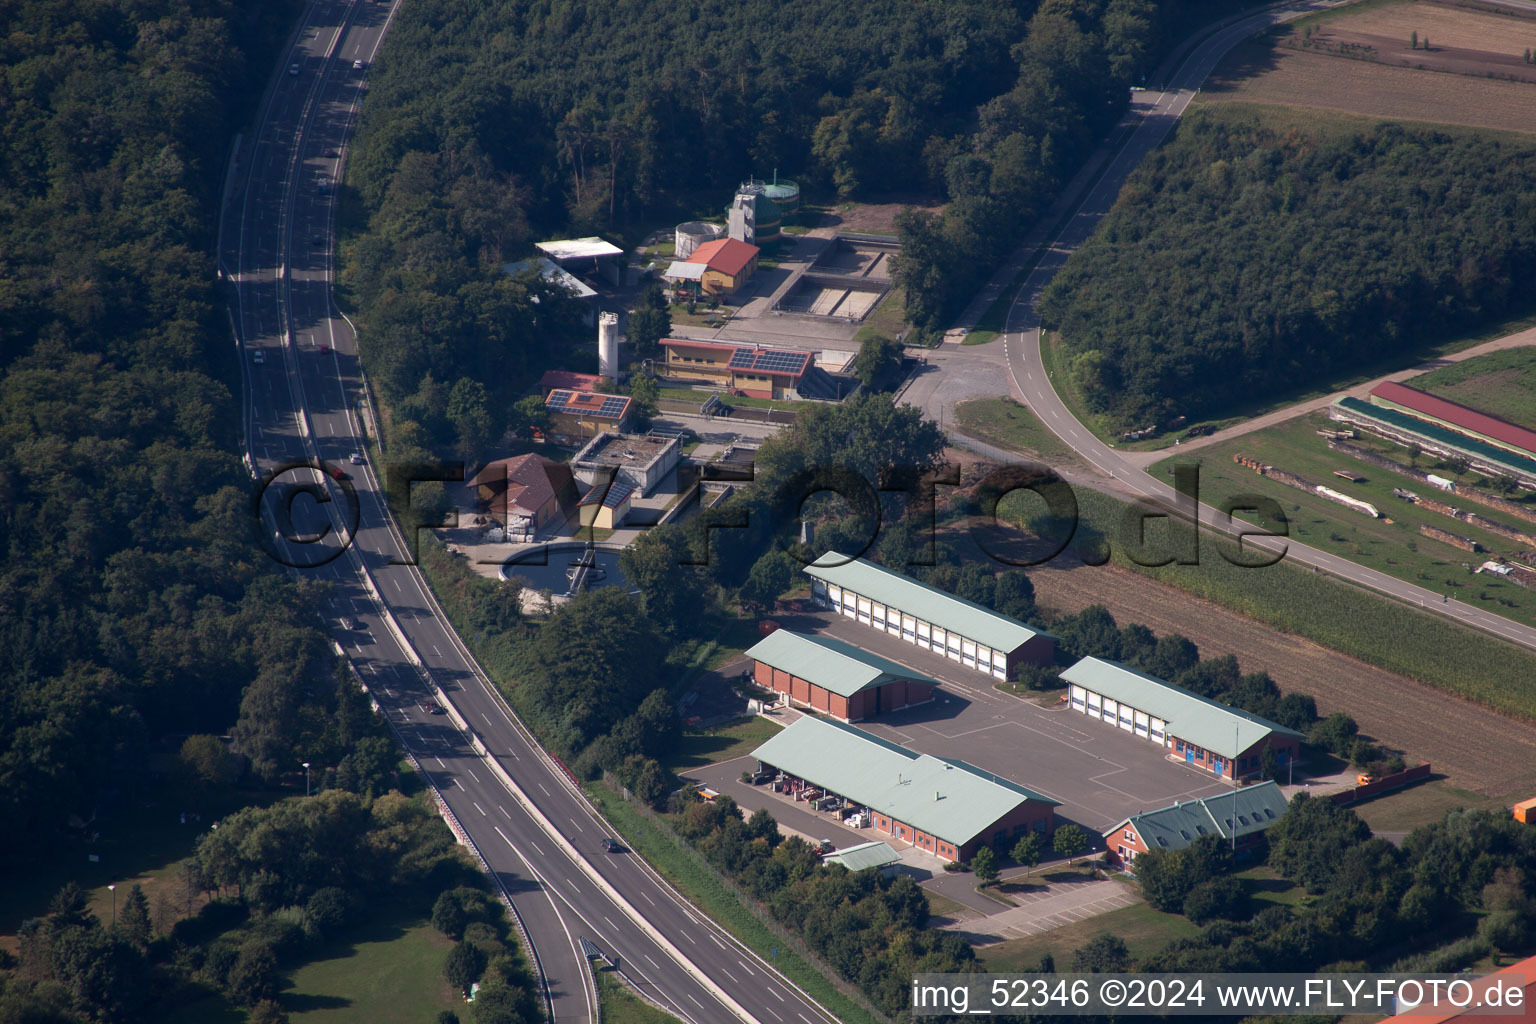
x: 946, y: 798
x: 1190, y: 717
x: 927, y: 603
x: 864, y: 855
x: 830, y: 663
x: 1244, y: 811
x: 1500, y: 457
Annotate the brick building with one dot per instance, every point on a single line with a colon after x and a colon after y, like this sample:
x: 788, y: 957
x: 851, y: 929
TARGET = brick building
x: 1240, y: 816
x: 749, y: 370
x: 941, y: 806
x: 836, y: 677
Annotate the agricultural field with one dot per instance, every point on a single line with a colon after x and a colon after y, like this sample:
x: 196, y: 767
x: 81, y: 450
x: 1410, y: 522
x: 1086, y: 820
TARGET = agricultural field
x: 1375, y: 61
x: 1391, y: 544
x: 1501, y: 384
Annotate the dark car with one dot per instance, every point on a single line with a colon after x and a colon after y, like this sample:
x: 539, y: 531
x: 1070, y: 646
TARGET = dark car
x: 318, y: 241
x: 331, y: 153
x: 431, y: 707
x: 611, y: 845
x: 337, y: 472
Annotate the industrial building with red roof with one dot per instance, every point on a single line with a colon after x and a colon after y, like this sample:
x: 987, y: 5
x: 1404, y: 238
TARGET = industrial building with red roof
x: 728, y: 264
x: 745, y: 369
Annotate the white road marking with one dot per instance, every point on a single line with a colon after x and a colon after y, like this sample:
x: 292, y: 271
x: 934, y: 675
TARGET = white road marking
x: 503, y: 810
x: 439, y: 762
x: 436, y: 651
x: 479, y: 808
x: 714, y: 940
x: 535, y: 847
x: 648, y: 899
x: 503, y: 835
x: 578, y: 826
x: 775, y: 993
x: 746, y: 968
x: 728, y: 974
x: 694, y: 1001
x: 472, y: 774
x: 653, y: 962
x: 610, y: 922
x: 546, y: 792
x: 690, y: 938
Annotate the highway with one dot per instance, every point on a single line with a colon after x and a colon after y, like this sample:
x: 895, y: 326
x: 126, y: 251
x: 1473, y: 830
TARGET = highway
x: 1021, y: 341
x: 303, y: 385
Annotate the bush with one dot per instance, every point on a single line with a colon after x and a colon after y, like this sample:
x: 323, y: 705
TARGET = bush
x: 329, y: 908
x: 1219, y: 897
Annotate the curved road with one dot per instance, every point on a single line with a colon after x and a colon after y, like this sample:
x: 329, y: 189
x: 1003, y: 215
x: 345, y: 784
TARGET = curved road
x: 1022, y: 343
x: 303, y: 386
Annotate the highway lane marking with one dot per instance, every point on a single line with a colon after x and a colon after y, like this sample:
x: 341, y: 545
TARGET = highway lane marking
x: 503, y: 835
x: 479, y: 808
x: 775, y: 993
x: 690, y: 938
x: 610, y: 922
x: 503, y: 810
x: 546, y: 792
x: 714, y: 940
x: 746, y: 968
x: 653, y: 962
x: 648, y: 898
x: 694, y: 1001
x: 535, y: 847
x: 440, y: 762
x: 569, y: 883
x: 728, y: 974
x: 436, y: 651
x: 804, y: 1018
x: 573, y: 822
x: 472, y: 774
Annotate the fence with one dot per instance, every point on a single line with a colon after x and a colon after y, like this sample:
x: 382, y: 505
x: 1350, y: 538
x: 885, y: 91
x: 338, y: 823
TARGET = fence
x: 1384, y: 784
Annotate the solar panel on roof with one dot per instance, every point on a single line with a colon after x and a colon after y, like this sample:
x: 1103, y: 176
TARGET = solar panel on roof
x: 741, y: 359
x: 781, y: 362
x: 612, y: 406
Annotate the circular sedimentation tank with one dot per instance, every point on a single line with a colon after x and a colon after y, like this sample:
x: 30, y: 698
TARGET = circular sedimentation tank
x: 691, y: 235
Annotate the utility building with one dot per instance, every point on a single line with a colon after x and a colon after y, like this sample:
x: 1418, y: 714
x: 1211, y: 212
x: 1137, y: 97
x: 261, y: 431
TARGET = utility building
x: 941, y: 806
x: 1203, y: 733
x: 728, y: 265
x: 933, y: 619
x: 749, y: 370
x: 526, y: 493
x: 1240, y: 816
x: 579, y: 415
x: 838, y: 678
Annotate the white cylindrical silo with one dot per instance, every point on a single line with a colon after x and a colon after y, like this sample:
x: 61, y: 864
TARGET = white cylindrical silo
x: 608, y: 346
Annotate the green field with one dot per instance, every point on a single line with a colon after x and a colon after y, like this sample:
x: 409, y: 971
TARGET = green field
x: 1392, y: 544
x: 1500, y: 383
x: 391, y: 972
x: 1355, y: 622
x: 1404, y: 810
x: 1143, y: 929
x: 888, y: 319
x: 1006, y: 423
x: 700, y: 747
x: 621, y: 1006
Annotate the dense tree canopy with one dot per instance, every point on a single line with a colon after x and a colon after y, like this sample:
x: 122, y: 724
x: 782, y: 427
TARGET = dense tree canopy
x: 1245, y: 259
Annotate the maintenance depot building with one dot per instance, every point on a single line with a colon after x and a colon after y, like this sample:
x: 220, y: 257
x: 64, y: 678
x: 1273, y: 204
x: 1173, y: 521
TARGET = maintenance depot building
x: 939, y: 805
x: 931, y: 618
x: 835, y: 677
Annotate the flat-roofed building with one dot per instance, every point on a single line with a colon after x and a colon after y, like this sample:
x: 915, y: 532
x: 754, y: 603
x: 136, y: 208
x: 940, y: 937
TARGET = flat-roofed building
x: 1240, y: 817
x: 578, y: 415
x: 590, y: 255
x: 1201, y: 732
x: 642, y: 460
x: 555, y: 274
x: 750, y: 370
x: 829, y: 675
x: 933, y: 619
x: 943, y: 806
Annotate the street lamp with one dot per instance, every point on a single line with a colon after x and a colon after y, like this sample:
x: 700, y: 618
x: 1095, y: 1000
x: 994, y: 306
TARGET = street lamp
x: 113, y: 890
x: 306, y: 778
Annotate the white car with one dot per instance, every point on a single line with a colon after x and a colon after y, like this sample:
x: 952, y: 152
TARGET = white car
x: 258, y: 357
x: 356, y: 459
x: 358, y: 65
x: 293, y: 69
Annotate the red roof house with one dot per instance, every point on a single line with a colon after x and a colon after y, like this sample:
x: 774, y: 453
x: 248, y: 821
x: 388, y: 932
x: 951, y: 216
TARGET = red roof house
x: 728, y: 264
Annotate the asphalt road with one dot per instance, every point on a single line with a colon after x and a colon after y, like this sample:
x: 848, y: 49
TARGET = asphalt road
x: 1022, y: 343
x: 303, y: 383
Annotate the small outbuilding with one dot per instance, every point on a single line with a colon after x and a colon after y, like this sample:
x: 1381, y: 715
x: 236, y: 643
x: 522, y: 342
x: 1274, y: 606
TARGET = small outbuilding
x: 864, y: 856
x: 605, y: 505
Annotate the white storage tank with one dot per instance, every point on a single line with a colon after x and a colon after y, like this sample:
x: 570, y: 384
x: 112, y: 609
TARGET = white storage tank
x: 692, y: 235
x: 608, y: 346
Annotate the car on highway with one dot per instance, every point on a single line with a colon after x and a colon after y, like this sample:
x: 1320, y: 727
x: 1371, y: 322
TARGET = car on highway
x: 337, y: 472
x: 431, y: 707
x: 348, y: 622
x: 317, y: 241
x: 258, y: 357
x: 358, y: 65
x: 356, y: 458
x: 331, y: 153
x: 293, y: 69
x: 322, y: 348
x: 611, y: 845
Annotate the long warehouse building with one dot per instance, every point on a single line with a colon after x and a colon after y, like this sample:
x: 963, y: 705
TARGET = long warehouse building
x: 942, y: 806
x: 828, y: 675
x: 931, y: 618
x: 1202, y: 733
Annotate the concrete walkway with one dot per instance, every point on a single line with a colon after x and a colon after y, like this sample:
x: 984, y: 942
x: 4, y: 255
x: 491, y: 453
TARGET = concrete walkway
x: 1051, y: 907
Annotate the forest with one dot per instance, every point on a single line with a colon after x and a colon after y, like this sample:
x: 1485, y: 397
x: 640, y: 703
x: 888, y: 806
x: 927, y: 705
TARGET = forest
x: 1247, y: 259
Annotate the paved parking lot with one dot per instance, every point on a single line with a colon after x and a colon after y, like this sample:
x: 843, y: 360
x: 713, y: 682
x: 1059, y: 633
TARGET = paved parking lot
x: 1099, y: 773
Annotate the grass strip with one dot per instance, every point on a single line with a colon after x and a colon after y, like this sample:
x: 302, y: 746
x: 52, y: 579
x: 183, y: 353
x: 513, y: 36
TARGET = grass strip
x: 709, y: 891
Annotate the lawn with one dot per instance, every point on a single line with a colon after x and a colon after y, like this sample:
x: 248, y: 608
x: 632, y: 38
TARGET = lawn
x: 1392, y: 544
x: 700, y: 747
x: 1404, y: 810
x: 390, y: 972
x: 1263, y: 885
x: 1500, y: 383
x: 889, y: 318
x: 621, y: 1006
x: 1143, y: 929
x: 1007, y: 424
